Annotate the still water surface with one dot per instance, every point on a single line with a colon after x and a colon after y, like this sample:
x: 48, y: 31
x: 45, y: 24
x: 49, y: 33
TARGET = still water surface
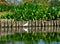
x: 28, y: 42
x: 5, y: 31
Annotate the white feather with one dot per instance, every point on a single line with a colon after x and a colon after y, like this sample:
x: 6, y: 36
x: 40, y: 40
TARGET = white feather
x: 26, y: 24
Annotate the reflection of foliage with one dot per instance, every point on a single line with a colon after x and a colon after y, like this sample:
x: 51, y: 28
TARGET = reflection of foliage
x: 47, y: 37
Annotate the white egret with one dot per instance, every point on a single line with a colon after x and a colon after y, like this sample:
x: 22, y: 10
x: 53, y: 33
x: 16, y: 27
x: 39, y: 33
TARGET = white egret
x: 26, y: 24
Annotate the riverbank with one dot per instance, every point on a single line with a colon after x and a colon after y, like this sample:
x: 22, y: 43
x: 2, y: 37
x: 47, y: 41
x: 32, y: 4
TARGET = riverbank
x: 37, y: 23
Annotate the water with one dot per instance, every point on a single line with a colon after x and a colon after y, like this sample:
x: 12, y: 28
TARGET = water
x: 28, y: 42
x: 43, y: 35
x: 9, y: 30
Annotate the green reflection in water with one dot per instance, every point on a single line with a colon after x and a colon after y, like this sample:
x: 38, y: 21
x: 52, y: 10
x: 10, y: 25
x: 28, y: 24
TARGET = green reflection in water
x: 33, y: 37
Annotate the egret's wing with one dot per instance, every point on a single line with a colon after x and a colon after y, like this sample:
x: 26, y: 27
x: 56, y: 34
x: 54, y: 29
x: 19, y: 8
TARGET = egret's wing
x: 26, y: 24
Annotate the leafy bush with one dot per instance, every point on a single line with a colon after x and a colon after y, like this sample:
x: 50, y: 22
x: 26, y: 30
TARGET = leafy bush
x: 33, y: 11
x: 6, y: 7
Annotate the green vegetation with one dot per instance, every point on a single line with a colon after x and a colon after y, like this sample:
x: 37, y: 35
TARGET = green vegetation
x: 30, y: 11
x: 6, y: 7
x: 47, y: 37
